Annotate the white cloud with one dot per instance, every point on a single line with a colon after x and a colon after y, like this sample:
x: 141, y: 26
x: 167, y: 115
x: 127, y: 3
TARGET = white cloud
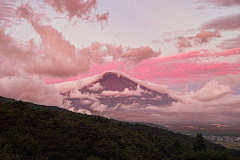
x: 96, y: 87
x: 86, y: 102
x: 210, y: 91
x: 213, y: 97
x: 78, y: 94
x: 30, y: 89
x: 84, y: 111
x: 138, y: 92
x: 96, y: 106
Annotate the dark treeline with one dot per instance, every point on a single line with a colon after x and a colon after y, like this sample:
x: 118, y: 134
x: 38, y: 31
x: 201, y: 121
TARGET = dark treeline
x: 29, y: 131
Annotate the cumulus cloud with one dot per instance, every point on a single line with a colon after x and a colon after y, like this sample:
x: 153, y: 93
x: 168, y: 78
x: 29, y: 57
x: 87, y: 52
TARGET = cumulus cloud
x: 16, y: 84
x: 231, y: 22
x: 8, y: 70
x: 84, y: 111
x: 96, y: 106
x: 215, y: 99
x: 54, y: 56
x: 138, y: 54
x: 80, y: 110
x: 59, y: 57
x: 68, y: 106
x: 210, y: 91
x: 216, y: 96
x: 100, y: 53
x: 30, y: 89
x: 204, y: 37
x: 10, y: 48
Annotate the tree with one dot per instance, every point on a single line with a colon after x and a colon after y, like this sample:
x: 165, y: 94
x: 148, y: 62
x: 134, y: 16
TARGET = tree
x: 200, y: 143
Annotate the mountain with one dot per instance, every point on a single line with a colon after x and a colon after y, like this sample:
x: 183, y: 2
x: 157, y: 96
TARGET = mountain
x: 30, y: 131
x: 112, y: 93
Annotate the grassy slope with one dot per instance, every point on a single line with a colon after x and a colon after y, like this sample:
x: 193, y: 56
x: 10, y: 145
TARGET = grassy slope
x: 230, y: 145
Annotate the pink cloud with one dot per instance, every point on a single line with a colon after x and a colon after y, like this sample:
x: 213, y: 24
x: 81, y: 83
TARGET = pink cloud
x: 100, y: 53
x: 8, y: 70
x: 73, y: 8
x: 93, y: 70
x: 231, y: 22
x: 210, y: 91
x: 213, y: 97
x: 82, y: 9
x: 6, y: 12
x: 213, y: 100
x: 184, y: 67
x: 59, y: 58
x: 16, y: 84
x: 189, y: 65
x: 29, y: 89
x: 103, y: 17
x: 11, y: 50
x: 138, y: 54
x: 230, y: 43
x: 204, y: 37
x: 226, y: 3
x: 231, y: 80
x: 186, y: 70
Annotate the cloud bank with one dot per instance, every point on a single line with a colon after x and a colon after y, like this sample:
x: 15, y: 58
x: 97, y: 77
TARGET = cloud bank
x: 30, y: 89
x: 215, y: 101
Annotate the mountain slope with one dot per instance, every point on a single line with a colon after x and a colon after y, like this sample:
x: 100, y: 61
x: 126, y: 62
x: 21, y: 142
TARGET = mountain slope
x: 29, y: 131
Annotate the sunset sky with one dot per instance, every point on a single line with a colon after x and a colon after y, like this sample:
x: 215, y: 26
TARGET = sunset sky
x: 191, y: 46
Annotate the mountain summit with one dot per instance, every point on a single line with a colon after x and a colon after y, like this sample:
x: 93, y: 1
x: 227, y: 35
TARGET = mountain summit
x: 111, y: 92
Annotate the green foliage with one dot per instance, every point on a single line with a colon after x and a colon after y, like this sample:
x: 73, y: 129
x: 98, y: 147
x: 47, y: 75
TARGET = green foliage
x: 41, y: 133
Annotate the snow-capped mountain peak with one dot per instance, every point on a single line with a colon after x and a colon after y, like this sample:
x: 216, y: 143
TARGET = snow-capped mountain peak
x: 112, y: 91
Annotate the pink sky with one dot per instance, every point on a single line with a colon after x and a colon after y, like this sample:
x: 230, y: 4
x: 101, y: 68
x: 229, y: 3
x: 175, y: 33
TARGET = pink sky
x: 176, y: 43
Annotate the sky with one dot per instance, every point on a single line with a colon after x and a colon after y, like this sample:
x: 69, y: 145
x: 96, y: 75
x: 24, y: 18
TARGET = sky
x: 191, y: 46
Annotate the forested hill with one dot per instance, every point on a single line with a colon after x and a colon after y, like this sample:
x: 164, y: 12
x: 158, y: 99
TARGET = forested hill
x: 29, y: 131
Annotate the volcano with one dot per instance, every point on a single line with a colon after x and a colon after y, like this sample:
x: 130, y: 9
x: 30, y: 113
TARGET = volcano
x: 112, y: 91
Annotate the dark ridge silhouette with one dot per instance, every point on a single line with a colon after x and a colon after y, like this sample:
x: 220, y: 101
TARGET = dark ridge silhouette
x: 29, y: 131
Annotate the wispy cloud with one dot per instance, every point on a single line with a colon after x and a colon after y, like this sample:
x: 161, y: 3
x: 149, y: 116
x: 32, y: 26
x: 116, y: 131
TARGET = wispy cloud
x: 231, y: 22
x: 226, y: 3
x: 199, y: 39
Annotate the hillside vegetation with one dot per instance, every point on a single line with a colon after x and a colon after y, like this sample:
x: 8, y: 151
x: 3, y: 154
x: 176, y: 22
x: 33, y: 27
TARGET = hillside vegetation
x: 29, y: 131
